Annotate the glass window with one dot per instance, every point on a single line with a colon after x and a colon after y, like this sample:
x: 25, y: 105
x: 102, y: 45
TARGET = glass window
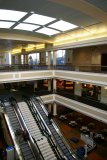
x: 22, y: 59
x: 34, y: 58
x: 60, y: 57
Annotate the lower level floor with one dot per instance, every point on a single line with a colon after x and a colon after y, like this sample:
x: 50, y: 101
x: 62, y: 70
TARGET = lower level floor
x: 69, y: 131
x: 72, y: 132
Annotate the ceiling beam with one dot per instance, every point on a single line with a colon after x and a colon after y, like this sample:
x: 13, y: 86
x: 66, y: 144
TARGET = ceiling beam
x: 22, y: 37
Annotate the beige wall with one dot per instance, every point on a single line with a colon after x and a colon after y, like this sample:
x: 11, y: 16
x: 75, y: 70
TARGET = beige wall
x: 88, y: 55
x: 81, y: 56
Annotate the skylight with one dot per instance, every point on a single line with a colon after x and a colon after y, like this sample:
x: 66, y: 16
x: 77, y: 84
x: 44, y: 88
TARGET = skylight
x: 47, y: 31
x: 11, y: 15
x: 6, y: 24
x: 39, y: 19
x: 27, y: 27
x: 62, y: 25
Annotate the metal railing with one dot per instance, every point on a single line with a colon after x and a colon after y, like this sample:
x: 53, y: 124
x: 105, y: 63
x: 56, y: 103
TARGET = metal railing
x: 43, y: 127
x: 85, y: 100
x: 35, y: 151
x: 72, y: 151
x: 70, y: 67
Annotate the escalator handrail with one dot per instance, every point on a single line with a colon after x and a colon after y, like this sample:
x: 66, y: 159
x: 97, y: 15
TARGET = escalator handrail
x: 25, y: 126
x: 58, y: 130
x: 19, y: 152
x: 47, y: 131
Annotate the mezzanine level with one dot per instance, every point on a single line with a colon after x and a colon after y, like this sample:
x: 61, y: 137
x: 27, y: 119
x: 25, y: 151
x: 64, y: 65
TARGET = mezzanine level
x: 17, y: 73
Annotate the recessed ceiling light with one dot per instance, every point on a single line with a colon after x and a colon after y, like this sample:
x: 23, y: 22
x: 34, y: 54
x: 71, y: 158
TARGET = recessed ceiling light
x: 11, y: 15
x: 6, y: 24
x: 39, y: 19
x: 27, y: 27
x: 62, y: 25
x: 47, y: 31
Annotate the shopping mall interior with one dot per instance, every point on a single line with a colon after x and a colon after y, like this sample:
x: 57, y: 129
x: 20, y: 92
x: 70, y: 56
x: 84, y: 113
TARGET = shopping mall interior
x: 53, y: 80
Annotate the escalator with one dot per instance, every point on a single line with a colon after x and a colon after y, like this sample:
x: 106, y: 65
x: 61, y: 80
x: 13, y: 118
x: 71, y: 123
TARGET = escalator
x: 41, y: 141
x: 37, y: 108
x: 25, y: 152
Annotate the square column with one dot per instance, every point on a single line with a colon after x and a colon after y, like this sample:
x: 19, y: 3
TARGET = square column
x: 104, y: 94
x: 49, y: 107
x: 68, y: 57
x: 49, y: 85
x: 54, y: 85
x: 54, y: 58
x: 54, y: 109
x: 78, y: 89
x: 49, y: 58
x: 43, y: 58
x: 35, y: 85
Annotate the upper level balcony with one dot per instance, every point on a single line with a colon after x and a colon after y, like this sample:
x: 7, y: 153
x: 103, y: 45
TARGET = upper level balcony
x: 70, y: 67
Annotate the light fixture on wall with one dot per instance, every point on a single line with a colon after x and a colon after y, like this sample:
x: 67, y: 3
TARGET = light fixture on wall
x: 105, y: 87
x: 77, y: 82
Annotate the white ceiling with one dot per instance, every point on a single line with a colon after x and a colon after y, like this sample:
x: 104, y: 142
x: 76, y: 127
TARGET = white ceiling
x: 79, y: 12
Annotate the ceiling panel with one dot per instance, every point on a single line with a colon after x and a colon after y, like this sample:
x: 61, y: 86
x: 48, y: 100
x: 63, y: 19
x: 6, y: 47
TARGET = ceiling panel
x: 56, y: 10
x: 25, y: 5
x: 48, y: 8
x: 44, y: 7
x: 68, y: 14
x: 81, y: 19
x: 102, y: 4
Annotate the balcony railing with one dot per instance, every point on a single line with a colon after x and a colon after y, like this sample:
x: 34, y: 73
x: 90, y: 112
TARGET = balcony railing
x: 26, y: 67
x: 85, y: 100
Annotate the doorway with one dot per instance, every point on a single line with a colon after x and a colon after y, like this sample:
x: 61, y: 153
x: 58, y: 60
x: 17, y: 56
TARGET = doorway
x: 104, y: 62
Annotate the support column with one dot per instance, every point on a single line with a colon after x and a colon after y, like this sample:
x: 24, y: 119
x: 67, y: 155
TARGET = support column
x: 54, y: 85
x: 16, y: 59
x: 54, y: 58
x: 54, y: 109
x: 49, y: 58
x: 25, y: 58
x: 68, y: 56
x: 49, y: 107
x: 19, y: 59
x: 13, y: 59
x: 104, y: 94
x: 35, y: 85
x: 77, y: 89
x: 43, y: 58
x: 49, y: 85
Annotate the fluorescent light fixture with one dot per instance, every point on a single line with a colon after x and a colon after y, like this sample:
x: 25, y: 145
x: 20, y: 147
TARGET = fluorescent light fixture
x: 62, y: 25
x: 47, y: 31
x: 39, y: 19
x: 6, y: 24
x: 27, y: 27
x: 11, y: 15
